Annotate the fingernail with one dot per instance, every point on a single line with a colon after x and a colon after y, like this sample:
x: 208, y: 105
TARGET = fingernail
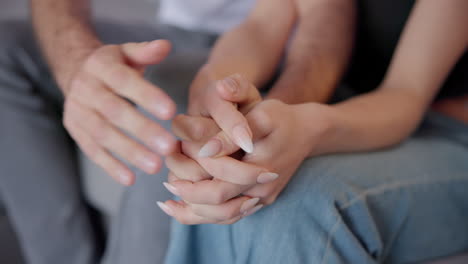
x: 162, y: 110
x: 267, y: 177
x: 243, y: 139
x: 165, y: 208
x: 249, y: 204
x: 210, y: 149
x: 253, y: 210
x: 148, y: 163
x: 171, y: 188
x: 124, y: 178
x: 162, y: 145
x: 230, y: 85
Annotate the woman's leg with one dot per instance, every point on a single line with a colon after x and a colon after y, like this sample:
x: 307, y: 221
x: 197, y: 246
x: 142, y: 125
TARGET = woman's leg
x: 399, y: 205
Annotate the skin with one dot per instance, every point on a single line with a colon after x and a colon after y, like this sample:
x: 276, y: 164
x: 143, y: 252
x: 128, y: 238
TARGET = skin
x: 97, y: 80
x: 436, y: 31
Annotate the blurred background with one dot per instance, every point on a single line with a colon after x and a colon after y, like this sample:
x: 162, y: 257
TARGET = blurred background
x: 131, y: 11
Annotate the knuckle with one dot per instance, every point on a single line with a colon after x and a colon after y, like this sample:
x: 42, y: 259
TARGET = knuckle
x: 198, y: 131
x: 112, y: 108
x: 219, y: 197
x: 95, y: 59
x: 101, y: 132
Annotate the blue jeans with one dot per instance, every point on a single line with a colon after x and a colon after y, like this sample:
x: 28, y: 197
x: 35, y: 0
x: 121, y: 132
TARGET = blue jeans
x: 404, y: 204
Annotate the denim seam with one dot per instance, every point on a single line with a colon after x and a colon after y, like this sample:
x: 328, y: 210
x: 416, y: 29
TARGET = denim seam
x: 331, y: 233
x: 374, y: 191
x: 386, y: 187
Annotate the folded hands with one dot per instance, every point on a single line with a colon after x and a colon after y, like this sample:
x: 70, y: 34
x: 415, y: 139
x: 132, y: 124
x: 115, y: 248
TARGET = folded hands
x: 237, y: 153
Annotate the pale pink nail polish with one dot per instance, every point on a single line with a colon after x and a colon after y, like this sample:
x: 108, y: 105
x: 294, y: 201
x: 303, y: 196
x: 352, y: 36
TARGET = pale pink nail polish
x: 210, y: 149
x: 249, y: 204
x: 267, y: 177
x: 253, y: 210
x: 171, y: 188
x: 165, y: 208
x: 242, y: 138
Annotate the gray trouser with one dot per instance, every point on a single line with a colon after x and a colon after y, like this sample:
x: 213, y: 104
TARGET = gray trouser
x: 39, y: 183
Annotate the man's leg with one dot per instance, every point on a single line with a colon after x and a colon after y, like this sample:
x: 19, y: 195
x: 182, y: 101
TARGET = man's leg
x: 38, y: 180
x: 399, y: 205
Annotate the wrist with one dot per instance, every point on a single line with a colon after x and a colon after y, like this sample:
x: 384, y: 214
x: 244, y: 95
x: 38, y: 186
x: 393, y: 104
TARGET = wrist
x: 319, y: 123
x: 65, y: 70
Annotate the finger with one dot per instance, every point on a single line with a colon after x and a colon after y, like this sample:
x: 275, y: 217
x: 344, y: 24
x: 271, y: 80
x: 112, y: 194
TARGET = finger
x: 129, y: 83
x: 113, y: 140
x: 125, y: 116
x: 237, y: 172
x: 194, y: 128
x: 182, y: 213
x: 185, y: 168
x: 211, y: 192
x: 146, y: 53
x: 172, y: 178
x: 239, y: 90
x: 231, y: 121
x: 231, y: 209
x: 221, y: 145
x: 101, y: 157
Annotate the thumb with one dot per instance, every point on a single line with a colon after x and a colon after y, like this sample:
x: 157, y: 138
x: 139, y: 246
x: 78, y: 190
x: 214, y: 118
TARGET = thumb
x: 146, y: 53
x: 239, y: 90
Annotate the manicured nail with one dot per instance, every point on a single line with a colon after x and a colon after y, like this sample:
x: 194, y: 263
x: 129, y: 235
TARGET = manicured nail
x: 267, y: 177
x: 253, y: 210
x: 165, y: 208
x: 243, y: 139
x: 249, y: 204
x: 210, y: 149
x: 171, y: 188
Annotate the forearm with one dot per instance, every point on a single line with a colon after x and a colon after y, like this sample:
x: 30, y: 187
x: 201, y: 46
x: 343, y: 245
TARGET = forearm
x: 371, y: 121
x: 319, y: 51
x: 64, y: 33
x: 434, y: 38
x: 254, y: 48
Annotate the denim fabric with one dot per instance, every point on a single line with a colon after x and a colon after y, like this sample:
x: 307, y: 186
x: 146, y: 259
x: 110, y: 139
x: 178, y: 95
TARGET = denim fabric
x: 404, y: 204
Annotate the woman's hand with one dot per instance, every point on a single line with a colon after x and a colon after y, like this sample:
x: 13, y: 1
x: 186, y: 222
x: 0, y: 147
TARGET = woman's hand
x: 281, y: 144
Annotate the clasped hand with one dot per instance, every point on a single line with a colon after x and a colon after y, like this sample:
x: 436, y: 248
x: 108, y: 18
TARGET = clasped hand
x: 222, y: 175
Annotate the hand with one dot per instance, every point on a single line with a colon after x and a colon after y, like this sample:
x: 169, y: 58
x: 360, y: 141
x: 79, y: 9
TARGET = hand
x: 101, y: 118
x: 281, y: 144
x: 205, y: 100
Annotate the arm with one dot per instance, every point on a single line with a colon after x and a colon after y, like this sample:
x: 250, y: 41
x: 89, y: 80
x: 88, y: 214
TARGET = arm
x: 434, y: 39
x: 65, y: 34
x: 319, y: 51
x: 98, y: 81
x: 254, y: 48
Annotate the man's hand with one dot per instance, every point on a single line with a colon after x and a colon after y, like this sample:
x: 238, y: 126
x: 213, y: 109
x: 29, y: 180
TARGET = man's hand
x: 100, y: 114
